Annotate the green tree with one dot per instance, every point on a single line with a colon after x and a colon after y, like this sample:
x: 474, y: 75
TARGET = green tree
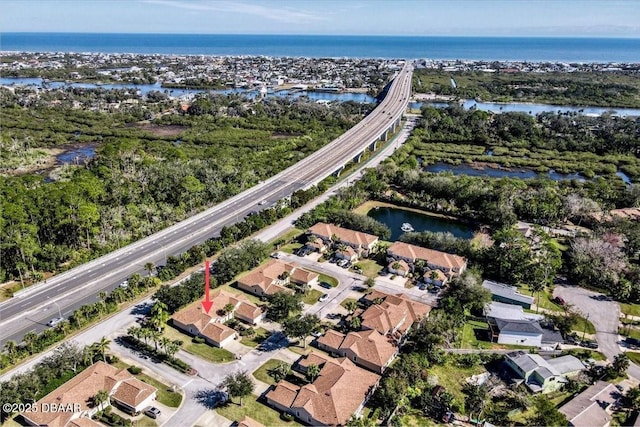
x: 280, y: 371
x: 159, y: 315
x: 546, y: 414
x: 101, y: 348
x: 238, y: 384
x: 283, y: 304
x: 301, y: 327
x: 100, y: 399
x: 149, y: 267
x: 312, y: 372
x: 351, y: 305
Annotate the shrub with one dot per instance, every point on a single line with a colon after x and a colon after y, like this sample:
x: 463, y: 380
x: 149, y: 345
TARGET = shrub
x: 135, y: 370
x: 286, y: 416
x: 198, y: 340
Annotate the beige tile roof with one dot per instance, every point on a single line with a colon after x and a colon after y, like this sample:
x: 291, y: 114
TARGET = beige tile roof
x: 249, y: 422
x: 84, y: 422
x: 370, y: 346
x: 440, y: 275
x: 248, y: 311
x: 347, y: 236
x: 193, y: 315
x: 312, y: 358
x: 441, y: 259
x: 221, y: 298
x: 133, y: 392
x: 334, y: 396
x: 78, y: 390
x: 284, y: 393
x: 396, y: 311
x: 217, y: 332
x: 303, y: 276
x: 331, y: 339
x: 267, y: 276
x: 402, y: 265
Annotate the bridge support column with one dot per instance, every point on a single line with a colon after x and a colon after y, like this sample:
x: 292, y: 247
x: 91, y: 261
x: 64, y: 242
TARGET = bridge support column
x: 339, y: 171
x: 358, y: 157
x: 373, y: 146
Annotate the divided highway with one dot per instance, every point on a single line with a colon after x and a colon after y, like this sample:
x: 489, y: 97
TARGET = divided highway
x: 31, y: 310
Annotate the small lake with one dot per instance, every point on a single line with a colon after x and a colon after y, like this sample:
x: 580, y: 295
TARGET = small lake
x: 522, y: 173
x: 532, y: 109
x: 394, y: 218
x: 144, y: 89
x: 76, y: 155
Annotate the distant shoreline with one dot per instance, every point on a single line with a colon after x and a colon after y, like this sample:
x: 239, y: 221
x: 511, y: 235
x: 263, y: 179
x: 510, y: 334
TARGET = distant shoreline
x: 531, y: 49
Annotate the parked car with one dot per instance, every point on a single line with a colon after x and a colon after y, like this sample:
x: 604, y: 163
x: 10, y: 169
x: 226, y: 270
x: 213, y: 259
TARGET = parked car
x: 323, y: 297
x: 275, y: 255
x: 560, y: 301
x: 589, y: 344
x: 325, y: 285
x: 317, y: 334
x: 124, y: 285
x: 53, y: 322
x: 152, y: 412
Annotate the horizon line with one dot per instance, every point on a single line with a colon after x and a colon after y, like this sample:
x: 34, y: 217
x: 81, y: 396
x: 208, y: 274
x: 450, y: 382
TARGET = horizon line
x: 338, y: 35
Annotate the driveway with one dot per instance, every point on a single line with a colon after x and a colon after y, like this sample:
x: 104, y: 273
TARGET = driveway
x: 605, y: 316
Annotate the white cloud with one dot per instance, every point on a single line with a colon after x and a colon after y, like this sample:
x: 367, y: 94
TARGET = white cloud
x: 276, y: 14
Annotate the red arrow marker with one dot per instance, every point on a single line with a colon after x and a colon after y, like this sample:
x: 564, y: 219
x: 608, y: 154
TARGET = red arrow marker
x: 207, y: 303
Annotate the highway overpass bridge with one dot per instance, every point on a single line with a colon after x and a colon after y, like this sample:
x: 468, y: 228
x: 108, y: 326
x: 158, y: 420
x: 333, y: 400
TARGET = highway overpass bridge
x: 34, y: 307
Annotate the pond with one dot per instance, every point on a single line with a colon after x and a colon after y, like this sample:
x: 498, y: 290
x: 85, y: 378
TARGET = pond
x: 394, y: 218
x: 522, y: 173
x: 76, y: 155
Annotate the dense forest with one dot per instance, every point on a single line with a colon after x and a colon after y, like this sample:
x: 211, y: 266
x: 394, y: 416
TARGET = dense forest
x: 594, y: 88
x: 145, y: 175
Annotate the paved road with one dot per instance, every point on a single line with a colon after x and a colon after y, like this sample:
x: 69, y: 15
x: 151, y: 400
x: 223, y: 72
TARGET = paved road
x: 31, y: 310
x: 605, y: 316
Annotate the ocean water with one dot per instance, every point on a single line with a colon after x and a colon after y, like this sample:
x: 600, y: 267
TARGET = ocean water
x: 536, y: 49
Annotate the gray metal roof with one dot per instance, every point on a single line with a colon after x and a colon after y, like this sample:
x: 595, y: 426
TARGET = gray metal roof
x: 519, y: 326
x: 500, y: 310
x: 566, y: 364
x: 506, y: 291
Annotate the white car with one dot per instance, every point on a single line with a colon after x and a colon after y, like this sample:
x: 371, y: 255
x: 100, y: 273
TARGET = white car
x: 264, y: 202
x: 53, y: 322
x: 323, y: 297
x: 124, y: 285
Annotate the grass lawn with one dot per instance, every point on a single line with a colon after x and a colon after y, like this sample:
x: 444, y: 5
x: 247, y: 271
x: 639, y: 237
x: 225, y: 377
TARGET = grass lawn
x: 415, y: 418
x: 329, y: 279
x: 202, y: 350
x: 469, y: 339
x: 311, y: 297
x: 292, y: 233
x: 254, y: 409
x: 165, y: 395
x: 582, y: 323
x: 630, y: 309
x: 583, y: 354
x: 545, y: 299
x: 144, y: 422
x: 369, y: 267
x: 260, y: 335
x: 633, y: 356
x: 453, y: 378
x: 11, y: 423
x: 290, y: 248
x: 262, y: 373
x: 630, y: 332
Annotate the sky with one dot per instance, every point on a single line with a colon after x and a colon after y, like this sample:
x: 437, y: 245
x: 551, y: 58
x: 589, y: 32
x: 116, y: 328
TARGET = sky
x: 582, y: 18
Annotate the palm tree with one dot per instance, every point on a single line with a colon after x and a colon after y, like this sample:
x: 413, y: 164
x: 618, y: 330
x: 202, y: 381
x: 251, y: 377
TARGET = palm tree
x: 351, y: 305
x: 164, y: 342
x: 536, y: 287
x: 159, y: 315
x: 87, y: 355
x: 312, y: 372
x: 30, y: 339
x: 355, y: 323
x: 135, y: 331
x: 101, y: 348
x: 100, y: 399
x: 11, y: 347
x: 228, y: 308
x: 149, y: 266
x: 171, y: 349
x: 155, y: 336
